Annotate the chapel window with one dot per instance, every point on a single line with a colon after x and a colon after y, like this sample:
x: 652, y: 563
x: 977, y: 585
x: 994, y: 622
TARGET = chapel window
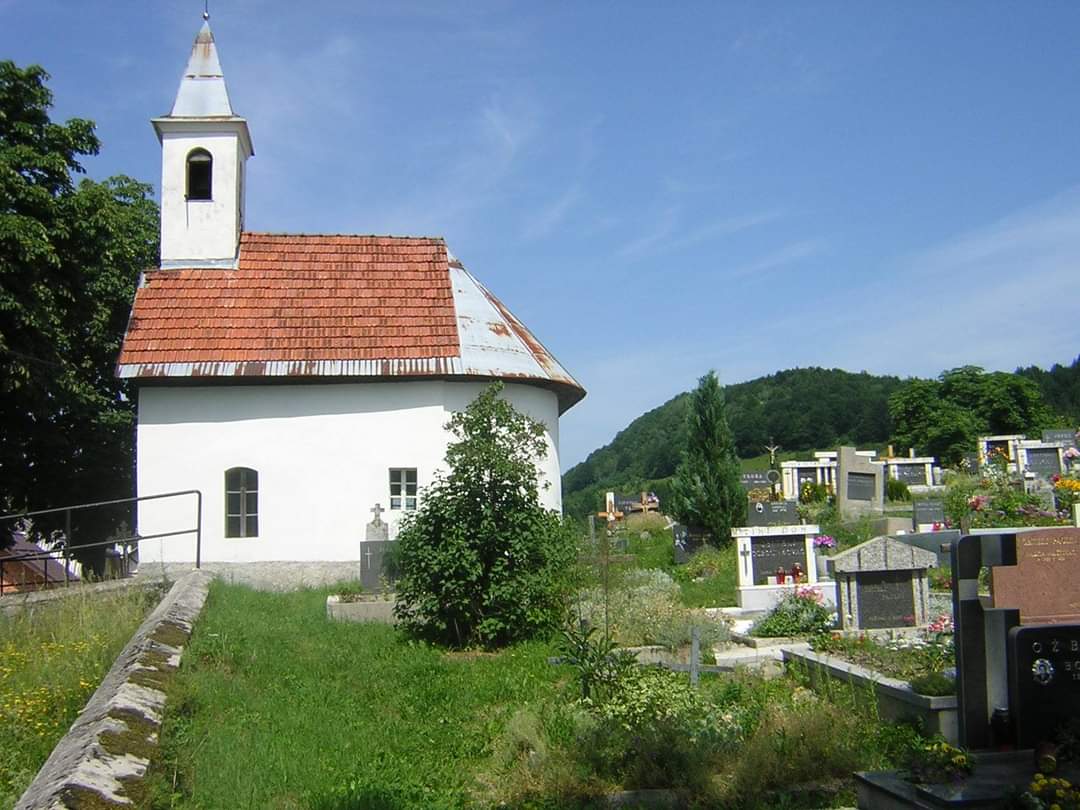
x: 403, y: 489
x: 241, y: 502
x: 200, y: 172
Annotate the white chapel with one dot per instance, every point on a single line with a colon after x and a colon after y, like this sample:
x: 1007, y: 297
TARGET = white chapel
x: 299, y: 381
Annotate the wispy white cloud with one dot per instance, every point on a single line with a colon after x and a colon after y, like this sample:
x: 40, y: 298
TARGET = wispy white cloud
x: 544, y: 221
x: 789, y: 254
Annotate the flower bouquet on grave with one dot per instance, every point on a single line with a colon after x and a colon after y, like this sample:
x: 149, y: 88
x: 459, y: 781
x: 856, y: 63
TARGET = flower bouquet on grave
x: 824, y: 544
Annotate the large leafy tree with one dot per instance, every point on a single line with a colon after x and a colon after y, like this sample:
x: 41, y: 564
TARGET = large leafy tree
x: 706, y: 491
x: 70, y: 257
x: 944, y: 417
x: 481, y: 562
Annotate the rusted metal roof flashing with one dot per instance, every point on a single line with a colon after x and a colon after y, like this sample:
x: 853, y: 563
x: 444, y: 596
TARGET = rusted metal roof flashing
x: 489, y: 343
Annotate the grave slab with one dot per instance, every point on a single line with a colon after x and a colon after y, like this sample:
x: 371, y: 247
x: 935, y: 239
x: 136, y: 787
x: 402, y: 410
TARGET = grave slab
x: 1044, y: 585
x: 883, y: 583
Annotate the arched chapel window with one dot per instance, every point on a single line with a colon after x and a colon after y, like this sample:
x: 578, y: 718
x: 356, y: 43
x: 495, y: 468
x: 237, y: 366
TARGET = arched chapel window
x: 241, y: 502
x: 200, y: 172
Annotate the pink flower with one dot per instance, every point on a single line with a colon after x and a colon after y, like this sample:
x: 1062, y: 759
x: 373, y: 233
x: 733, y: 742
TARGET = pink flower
x: 808, y: 592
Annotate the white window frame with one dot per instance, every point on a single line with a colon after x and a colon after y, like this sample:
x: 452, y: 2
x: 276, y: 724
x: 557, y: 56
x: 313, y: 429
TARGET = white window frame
x: 404, y: 489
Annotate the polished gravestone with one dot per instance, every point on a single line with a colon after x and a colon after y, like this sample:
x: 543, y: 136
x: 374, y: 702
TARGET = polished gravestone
x: 772, y: 513
x: 883, y: 583
x: 688, y: 540
x: 926, y: 513
x: 770, y: 558
x: 1033, y: 578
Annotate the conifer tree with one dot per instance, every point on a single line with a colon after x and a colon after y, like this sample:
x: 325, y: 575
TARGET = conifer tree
x: 706, y: 491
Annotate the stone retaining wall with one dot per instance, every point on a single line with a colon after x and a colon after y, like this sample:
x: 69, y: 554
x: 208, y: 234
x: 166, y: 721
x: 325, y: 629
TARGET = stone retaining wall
x: 102, y: 759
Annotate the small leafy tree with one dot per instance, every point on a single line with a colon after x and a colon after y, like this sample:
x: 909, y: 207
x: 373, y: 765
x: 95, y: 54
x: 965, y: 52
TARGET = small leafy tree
x: 706, y: 490
x: 481, y: 561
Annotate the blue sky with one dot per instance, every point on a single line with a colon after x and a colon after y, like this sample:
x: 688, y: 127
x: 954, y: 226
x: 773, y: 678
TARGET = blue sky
x: 655, y: 189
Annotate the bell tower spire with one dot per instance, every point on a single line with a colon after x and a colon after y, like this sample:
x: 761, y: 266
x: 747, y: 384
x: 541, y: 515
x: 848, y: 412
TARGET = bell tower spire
x: 204, y: 150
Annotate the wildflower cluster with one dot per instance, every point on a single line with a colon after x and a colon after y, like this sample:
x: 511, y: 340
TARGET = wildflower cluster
x: 936, y: 761
x: 1051, y: 793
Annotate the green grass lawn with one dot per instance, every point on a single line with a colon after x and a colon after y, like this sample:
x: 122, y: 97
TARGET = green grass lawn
x: 51, y: 661
x: 275, y: 706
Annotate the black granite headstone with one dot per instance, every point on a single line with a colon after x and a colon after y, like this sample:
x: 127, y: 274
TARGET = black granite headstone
x: 806, y: 475
x: 376, y: 564
x: 767, y: 554
x: 860, y: 486
x: 911, y: 474
x: 772, y: 513
x: 1044, y: 680
x: 1066, y: 437
x: 885, y: 598
x: 1044, y: 461
x: 927, y: 511
x: 688, y: 539
x: 755, y: 480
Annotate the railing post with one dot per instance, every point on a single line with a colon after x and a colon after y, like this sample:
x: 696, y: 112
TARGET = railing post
x: 198, y: 529
x: 695, y: 654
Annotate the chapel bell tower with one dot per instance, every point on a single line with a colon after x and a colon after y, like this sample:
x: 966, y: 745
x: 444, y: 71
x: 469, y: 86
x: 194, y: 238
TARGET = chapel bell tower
x: 204, y: 151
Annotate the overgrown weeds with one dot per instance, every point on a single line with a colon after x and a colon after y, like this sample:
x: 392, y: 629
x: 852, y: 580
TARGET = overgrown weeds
x: 52, y: 657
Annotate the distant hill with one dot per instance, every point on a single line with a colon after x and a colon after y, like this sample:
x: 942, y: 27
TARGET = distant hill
x: 801, y: 409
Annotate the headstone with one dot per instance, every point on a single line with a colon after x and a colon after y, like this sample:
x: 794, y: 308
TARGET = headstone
x: 927, y: 512
x: 806, y: 475
x: 883, y: 583
x: 772, y: 513
x: 374, y: 570
x: 765, y: 550
x: 755, y: 480
x: 1043, y: 584
x: 914, y: 475
x: 1066, y: 437
x: 860, y: 484
x: 1044, y: 461
x: 1044, y: 681
x: 688, y: 539
x: 937, y: 543
x: 377, y: 529
x: 1034, y: 601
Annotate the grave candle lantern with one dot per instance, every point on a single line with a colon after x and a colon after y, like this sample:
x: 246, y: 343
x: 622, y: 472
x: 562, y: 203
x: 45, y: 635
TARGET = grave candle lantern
x: 796, y: 573
x: 781, y: 575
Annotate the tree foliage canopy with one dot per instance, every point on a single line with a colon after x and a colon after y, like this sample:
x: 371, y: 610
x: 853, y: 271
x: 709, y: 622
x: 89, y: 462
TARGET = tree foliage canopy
x: 70, y: 257
x: 706, y: 490
x: 481, y: 561
x: 943, y: 417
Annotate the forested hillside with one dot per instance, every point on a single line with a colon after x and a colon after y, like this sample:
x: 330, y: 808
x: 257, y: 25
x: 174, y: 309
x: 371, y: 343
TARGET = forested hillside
x: 799, y: 409
x: 1060, y: 388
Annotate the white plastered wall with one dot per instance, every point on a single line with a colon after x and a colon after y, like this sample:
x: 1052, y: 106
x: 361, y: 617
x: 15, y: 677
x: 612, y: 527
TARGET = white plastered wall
x: 322, y: 452
x: 194, y: 232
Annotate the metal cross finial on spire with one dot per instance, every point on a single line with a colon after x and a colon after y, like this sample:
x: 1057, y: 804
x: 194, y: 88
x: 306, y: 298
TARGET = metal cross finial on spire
x: 206, y: 10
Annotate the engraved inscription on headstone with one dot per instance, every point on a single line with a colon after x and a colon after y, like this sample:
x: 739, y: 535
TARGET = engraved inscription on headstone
x: 911, y: 474
x: 806, y: 475
x: 1044, y: 461
x: 1044, y: 680
x: 755, y: 480
x: 1042, y: 584
x: 927, y: 512
x: 688, y: 539
x: 772, y: 513
x: 860, y: 486
x: 374, y: 564
x: 767, y: 554
x: 1066, y: 437
x: 885, y: 599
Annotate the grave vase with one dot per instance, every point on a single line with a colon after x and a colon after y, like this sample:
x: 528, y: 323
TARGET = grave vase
x: 820, y: 560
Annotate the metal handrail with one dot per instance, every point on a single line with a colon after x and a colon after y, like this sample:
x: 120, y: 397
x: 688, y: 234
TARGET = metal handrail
x: 67, y: 510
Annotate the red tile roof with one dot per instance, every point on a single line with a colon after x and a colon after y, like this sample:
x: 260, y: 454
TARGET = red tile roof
x: 300, y: 298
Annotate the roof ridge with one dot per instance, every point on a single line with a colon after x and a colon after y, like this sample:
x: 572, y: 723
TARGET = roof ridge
x: 308, y: 235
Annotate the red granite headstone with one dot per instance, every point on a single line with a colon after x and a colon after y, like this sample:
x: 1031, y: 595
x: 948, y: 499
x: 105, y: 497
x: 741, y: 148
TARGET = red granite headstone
x: 1045, y: 582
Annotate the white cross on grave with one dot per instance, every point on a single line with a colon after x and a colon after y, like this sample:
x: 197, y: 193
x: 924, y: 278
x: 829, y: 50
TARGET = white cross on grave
x: 377, y: 510
x: 368, y: 552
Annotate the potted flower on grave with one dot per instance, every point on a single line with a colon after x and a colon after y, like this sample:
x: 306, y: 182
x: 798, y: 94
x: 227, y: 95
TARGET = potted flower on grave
x: 824, y: 544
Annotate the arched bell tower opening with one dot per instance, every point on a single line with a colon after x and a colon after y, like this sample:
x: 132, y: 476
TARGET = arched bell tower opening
x: 200, y: 175
x: 204, y: 149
